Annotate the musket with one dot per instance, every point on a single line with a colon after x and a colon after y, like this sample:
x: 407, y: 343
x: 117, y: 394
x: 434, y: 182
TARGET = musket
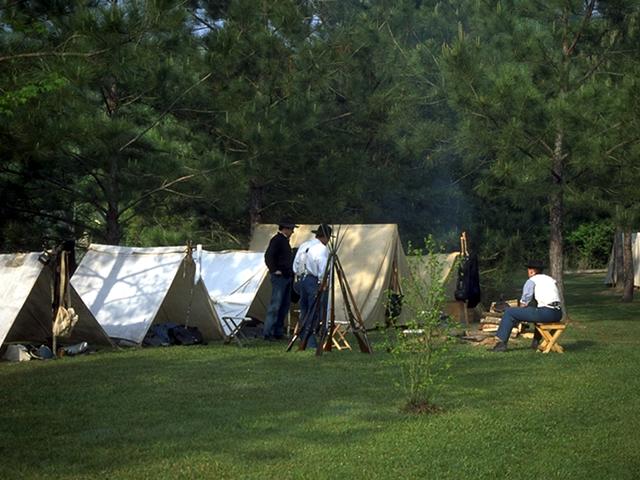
x: 357, y: 325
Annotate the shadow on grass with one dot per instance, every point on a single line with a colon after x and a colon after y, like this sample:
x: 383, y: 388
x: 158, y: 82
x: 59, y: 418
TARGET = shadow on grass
x: 254, y: 405
x: 579, y: 345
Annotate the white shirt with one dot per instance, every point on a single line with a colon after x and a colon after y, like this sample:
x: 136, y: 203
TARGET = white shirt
x: 543, y: 288
x: 311, y: 258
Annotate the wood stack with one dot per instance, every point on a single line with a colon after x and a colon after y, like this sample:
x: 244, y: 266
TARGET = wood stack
x: 491, y: 320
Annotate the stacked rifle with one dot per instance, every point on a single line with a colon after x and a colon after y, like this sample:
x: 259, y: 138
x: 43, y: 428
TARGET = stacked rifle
x: 325, y: 322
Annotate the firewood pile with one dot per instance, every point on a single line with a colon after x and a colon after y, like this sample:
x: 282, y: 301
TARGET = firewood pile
x: 490, y: 321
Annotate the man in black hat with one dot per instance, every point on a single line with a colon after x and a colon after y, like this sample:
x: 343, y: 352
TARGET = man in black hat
x: 277, y: 257
x: 309, y: 266
x: 540, y: 303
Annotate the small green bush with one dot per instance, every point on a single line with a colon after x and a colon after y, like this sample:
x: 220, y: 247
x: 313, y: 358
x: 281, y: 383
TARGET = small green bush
x: 589, y: 245
x: 419, y: 348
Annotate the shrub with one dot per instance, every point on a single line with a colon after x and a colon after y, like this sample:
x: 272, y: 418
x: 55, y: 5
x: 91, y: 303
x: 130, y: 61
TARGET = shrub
x: 419, y: 347
x: 590, y: 244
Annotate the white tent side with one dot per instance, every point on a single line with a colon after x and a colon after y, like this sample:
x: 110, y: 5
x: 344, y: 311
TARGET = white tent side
x: 369, y: 254
x: 25, y: 312
x: 128, y: 289
x: 236, y: 282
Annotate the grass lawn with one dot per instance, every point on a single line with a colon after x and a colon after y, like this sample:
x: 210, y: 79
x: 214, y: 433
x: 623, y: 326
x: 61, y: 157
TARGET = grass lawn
x: 219, y: 411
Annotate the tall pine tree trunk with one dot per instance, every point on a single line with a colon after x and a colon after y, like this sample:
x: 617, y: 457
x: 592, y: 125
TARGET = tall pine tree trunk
x: 114, y: 231
x: 627, y: 260
x: 256, y: 201
x: 618, y: 260
x: 556, y: 213
x: 112, y: 216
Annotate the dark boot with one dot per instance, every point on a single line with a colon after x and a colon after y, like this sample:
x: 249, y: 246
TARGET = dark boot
x: 535, y: 343
x: 499, y: 347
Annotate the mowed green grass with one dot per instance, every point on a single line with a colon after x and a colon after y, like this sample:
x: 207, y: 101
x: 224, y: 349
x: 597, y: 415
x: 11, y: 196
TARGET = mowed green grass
x: 220, y: 411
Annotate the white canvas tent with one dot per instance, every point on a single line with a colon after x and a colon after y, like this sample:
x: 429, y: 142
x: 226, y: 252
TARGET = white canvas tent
x: 614, y: 271
x: 371, y: 256
x: 237, y: 283
x: 128, y: 289
x: 25, y: 306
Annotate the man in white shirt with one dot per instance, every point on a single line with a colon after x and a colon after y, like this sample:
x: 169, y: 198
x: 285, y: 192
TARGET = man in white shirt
x: 543, y: 290
x: 310, y: 265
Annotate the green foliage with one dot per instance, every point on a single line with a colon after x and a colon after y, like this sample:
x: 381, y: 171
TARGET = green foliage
x: 420, y: 347
x: 591, y: 244
x: 532, y: 86
x: 10, y: 101
x: 155, y: 121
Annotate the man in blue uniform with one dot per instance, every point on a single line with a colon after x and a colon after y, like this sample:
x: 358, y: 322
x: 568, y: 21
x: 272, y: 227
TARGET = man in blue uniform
x: 278, y: 258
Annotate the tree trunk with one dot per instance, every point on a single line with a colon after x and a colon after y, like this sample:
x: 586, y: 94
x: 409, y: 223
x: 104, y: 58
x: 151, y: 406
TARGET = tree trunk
x: 556, y: 212
x: 256, y: 192
x: 618, y: 261
x: 114, y: 232
x: 627, y: 260
x: 112, y: 217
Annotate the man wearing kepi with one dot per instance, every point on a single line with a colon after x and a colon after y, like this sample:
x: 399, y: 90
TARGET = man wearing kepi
x: 309, y: 266
x: 278, y: 260
x: 540, y: 303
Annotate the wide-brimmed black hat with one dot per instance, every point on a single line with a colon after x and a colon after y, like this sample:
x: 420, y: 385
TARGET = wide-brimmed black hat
x: 323, y: 229
x: 535, y: 263
x: 286, y: 222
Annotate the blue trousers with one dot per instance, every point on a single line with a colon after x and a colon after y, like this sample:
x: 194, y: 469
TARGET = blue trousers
x: 310, y: 311
x: 513, y: 316
x: 278, y: 307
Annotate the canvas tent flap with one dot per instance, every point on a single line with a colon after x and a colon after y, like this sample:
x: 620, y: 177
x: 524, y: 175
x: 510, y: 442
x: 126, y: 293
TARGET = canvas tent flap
x: 128, y: 289
x: 236, y: 282
x: 448, y: 275
x: 25, y: 310
x: 369, y: 254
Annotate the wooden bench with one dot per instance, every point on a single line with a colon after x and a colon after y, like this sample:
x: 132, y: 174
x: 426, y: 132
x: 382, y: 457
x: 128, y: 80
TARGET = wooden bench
x: 550, y: 334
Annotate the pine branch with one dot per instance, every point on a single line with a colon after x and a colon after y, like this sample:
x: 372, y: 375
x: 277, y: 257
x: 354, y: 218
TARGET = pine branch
x: 202, y: 20
x: 395, y: 41
x: 163, y: 114
x: 585, y: 19
x: 161, y: 188
x: 51, y: 216
x: 53, y: 54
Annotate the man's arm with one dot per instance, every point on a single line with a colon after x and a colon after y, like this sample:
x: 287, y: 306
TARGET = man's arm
x: 527, y: 293
x: 270, y: 255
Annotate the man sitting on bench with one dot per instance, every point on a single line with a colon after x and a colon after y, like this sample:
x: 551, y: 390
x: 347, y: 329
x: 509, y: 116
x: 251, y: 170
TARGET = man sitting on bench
x: 539, y: 289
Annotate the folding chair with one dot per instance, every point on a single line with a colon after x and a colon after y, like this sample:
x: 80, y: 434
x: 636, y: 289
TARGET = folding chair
x: 550, y: 334
x: 338, y: 338
x: 234, y: 325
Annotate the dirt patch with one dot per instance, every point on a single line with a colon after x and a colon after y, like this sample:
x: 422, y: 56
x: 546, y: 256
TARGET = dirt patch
x: 422, y: 408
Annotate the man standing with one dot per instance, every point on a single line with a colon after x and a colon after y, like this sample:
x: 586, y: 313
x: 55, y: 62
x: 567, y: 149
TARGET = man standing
x: 542, y: 290
x: 277, y: 257
x: 309, y: 266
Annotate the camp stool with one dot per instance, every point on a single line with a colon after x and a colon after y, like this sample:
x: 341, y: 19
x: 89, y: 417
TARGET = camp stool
x: 550, y: 334
x: 234, y: 326
x: 338, y: 338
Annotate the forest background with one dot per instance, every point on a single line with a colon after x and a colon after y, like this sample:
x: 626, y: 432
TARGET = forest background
x: 162, y: 122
